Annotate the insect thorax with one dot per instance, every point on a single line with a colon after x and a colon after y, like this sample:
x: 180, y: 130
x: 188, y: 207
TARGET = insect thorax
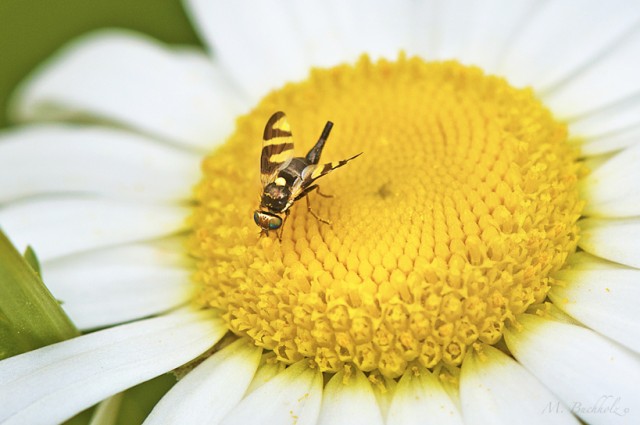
x: 275, y: 198
x: 276, y: 195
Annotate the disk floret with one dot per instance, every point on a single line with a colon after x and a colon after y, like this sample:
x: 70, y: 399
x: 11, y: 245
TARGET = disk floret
x: 449, y: 226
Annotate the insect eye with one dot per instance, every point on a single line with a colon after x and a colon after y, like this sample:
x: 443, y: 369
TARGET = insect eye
x: 256, y: 217
x: 275, y: 223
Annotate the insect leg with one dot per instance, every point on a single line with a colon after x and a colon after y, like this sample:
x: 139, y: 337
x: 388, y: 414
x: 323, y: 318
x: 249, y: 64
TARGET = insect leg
x: 322, y: 194
x: 286, y: 215
x: 306, y: 195
x: 306, y: 192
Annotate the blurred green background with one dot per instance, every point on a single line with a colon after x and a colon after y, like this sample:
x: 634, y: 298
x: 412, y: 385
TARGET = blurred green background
x: 31, y: 30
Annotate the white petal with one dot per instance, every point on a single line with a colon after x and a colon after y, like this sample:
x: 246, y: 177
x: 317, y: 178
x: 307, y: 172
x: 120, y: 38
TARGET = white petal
x: 67, y: 377
x: 293, y: 396
x: 55, y: 227
x: 376, y: 27
x: 256, y: 42
x: 595, y: 378
x: 421, y: 400
x: 592, y: 163
x: 614, y: 239
x: 496, y: 389
x: 560, y: 39
x: 116, y: 285
x: 384, y: 392
x: 425, y: 30
x: 585, y: 261
x: 351, y: 403
x: 207, y: 393
x: 44, y: 159
x: 319, y: 33
x: 605, y: 300
x: 261, y: 55
x: 175, y: 95
x: 613, y: 190
x: 266, y: 371
x: 475, y: 33
x: 605, y: 91
x: 595, y: 144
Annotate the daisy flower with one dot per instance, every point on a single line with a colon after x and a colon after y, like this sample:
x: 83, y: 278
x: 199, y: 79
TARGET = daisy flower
x: 481, y: 265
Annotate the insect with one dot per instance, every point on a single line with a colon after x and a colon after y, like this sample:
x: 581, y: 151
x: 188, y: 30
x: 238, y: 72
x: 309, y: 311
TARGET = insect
x: 285, y: 178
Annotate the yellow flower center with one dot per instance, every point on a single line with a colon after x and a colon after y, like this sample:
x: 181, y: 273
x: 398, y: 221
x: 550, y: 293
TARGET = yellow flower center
x: 449, y: 225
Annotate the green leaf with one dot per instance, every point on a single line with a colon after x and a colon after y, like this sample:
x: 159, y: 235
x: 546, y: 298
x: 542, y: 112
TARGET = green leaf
x: 138, y: 401
x: 32, y: 260
x: 82, y: 418
x: 30, y: 317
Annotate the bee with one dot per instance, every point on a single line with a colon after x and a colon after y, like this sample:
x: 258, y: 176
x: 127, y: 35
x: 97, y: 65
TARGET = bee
x: 285, y: 178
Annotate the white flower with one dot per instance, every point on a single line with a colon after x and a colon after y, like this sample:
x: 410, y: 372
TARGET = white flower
x: 100, y: 202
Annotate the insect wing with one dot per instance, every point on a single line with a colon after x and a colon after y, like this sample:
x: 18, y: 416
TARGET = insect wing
x: 313, y: 172
x: 277, y: 147
x: 303, y: 182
